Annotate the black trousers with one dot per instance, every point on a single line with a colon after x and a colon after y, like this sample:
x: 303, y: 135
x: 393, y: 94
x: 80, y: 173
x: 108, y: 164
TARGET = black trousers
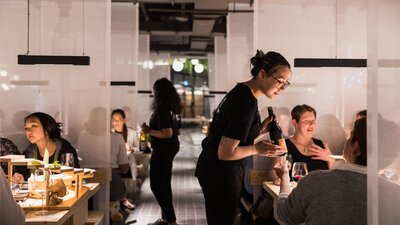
x: 160, y: 179
x: 222, y: 200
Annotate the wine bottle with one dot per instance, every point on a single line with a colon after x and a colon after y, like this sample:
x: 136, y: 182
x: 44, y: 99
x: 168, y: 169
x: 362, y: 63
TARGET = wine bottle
x: 143, y: 141
x: 275, y: 131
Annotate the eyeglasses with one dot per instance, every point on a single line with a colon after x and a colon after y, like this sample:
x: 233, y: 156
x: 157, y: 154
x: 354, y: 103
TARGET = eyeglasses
x: 282, y: 84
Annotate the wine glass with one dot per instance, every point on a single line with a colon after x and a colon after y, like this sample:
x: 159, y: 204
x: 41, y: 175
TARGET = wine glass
x: 40, y: 186
x: 290, y: 161
x: 299, y: 170
x: 67, y: 159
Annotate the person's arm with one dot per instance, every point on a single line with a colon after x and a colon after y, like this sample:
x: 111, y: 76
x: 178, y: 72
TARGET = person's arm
x: 122, y: 159
x: 10, y: 211
x: 229, y: 149
x: 163, y: 133
x: 290, y: 207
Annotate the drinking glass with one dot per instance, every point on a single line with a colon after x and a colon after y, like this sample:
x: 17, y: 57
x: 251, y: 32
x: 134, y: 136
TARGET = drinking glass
x: 290, y: 161
x: 299, y: 170
x: 40, y: 186
x: 67, y: 159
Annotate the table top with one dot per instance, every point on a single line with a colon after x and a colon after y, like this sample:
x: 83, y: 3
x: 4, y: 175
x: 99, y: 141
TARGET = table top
x: 59, y: 215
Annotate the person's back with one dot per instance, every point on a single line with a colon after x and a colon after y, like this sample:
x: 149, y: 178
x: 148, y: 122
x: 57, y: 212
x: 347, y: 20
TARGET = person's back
x: 10, y: 211
x: 332, y: 197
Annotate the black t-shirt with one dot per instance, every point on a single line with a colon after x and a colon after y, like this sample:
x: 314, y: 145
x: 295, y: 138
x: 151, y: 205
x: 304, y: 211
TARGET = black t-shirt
x: 164, y: 118
x: 312, y: 164
x: 236, y: 117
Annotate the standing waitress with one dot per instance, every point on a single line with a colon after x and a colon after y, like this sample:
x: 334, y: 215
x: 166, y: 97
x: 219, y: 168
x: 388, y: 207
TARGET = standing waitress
x: 165, y: 124
x: 235, y: 125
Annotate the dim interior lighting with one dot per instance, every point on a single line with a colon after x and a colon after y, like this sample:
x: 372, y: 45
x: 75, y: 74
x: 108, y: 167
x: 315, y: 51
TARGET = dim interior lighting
x: 148, y: 64
x: 3, y: 73
x: 177, y: 66
x: 185, y: 83
x: 199, y: 68
x: 194, y: 61
x: 5, y: 86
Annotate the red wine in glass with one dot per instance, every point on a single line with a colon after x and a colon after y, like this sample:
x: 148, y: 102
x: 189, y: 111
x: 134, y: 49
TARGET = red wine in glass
x: 297, y: 177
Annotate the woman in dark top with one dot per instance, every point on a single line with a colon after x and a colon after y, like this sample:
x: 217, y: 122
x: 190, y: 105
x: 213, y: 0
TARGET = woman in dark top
x: 164, y: 128
x: 236, y: 123
x: 302, y: 146
x: 7, y: 147
x: 43, y: 132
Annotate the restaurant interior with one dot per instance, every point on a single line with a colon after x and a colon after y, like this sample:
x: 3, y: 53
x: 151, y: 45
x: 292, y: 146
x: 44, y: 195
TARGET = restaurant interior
x: 78, y: 60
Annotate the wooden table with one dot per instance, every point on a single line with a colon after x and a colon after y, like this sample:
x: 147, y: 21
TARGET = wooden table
x: 72, y: 212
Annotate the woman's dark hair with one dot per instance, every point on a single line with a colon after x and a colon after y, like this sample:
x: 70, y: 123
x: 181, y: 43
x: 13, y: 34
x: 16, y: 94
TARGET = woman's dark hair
x: 165, y: 95
x: 124, y: 128
x: 359, y: 134
x: 270, y: 62
x: 298, y: 110
x: 50, y: 127
x: 362, y: 113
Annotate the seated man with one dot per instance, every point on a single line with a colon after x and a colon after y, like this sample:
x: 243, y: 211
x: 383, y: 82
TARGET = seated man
x: 338, y: 196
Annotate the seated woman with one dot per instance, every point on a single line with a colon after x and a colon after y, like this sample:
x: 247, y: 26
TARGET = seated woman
x: 43, y: 132
x: 302, y: 146
x: 131, y: 138
x: 119, y: 165
x: 7, y: 147
x: 337, y: 196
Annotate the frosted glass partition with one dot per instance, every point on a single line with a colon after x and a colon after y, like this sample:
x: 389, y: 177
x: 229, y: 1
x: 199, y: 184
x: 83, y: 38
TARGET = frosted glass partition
x: 217, y: 74
x: 124, y: 58
x: 239, y: 47
x: 143, y: 80
x: 383, y: 111
x: 77, y: 96
x: 317, y: 29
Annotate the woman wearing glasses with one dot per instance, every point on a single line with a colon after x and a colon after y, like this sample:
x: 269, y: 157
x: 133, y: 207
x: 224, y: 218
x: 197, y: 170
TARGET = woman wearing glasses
x: 302, y: 146
x: 236, y: 123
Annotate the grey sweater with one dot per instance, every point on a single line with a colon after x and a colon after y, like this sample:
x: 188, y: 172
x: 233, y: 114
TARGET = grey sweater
x: 338, y: 196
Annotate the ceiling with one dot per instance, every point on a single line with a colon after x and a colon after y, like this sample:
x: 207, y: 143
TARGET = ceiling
x: 186, y: 27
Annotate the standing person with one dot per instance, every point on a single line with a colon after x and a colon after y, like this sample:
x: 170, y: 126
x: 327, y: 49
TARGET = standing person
x: 164, y: 128
x: 44, y: 133
x: 337, y: 196
x: 235, y: 125
x: 302, y: 146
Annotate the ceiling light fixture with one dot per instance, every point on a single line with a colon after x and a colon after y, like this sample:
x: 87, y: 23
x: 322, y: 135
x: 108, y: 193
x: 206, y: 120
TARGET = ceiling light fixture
x: 55, y: 59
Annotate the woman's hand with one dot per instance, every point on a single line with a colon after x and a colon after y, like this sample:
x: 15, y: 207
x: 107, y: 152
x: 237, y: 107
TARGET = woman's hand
x: 265, y: 125
x: 319, y: 153
x: 145, y: 128
x: 281, y: 169
x: 267, y: 148
x: 18, y: 178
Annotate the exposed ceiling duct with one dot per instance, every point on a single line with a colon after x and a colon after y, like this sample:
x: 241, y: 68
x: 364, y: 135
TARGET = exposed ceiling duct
x: 185, y: 27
